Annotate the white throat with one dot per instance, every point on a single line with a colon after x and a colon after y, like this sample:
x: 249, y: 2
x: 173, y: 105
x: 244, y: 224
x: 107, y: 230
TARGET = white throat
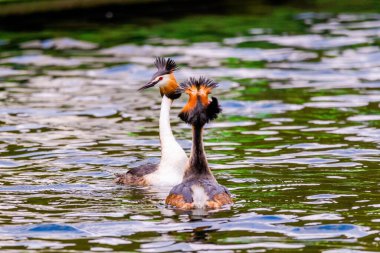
x: 166, y: 135
x: 173, y: 157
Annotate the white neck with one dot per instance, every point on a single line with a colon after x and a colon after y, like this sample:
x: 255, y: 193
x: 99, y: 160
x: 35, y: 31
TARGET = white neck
x: 173, y: 157
x: 166, y: 134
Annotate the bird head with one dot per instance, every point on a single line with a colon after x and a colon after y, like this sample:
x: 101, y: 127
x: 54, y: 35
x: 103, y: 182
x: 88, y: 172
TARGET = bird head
x: 199, y: 109
x: 164, y: 78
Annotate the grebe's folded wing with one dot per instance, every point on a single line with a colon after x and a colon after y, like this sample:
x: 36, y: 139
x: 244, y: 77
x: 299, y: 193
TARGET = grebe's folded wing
x: 135, y: 176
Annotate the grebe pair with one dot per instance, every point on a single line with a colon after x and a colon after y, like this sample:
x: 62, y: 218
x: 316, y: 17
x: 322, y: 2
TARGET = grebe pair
x: 195, y: 185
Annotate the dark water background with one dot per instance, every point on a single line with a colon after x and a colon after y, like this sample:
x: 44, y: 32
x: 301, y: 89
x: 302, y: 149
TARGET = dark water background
x: 297, y: 143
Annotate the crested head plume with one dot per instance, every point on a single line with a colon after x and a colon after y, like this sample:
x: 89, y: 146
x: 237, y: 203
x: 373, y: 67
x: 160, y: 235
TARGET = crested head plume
x: 199, y: 110
x: 201, y: 81
x: 165, y: 65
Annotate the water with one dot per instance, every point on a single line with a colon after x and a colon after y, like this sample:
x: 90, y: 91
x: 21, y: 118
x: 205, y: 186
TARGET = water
x: 297, y: 143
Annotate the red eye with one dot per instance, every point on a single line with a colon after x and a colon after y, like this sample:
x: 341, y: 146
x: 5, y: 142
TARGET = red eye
x: 160, y: 78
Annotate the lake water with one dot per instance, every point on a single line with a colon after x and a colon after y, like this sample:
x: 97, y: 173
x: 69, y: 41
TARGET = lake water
x: 297, y: 143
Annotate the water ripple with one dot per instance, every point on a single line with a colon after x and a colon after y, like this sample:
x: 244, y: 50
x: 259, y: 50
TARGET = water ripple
x: 297, y: 143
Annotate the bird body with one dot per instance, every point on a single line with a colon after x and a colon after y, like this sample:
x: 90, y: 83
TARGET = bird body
x: 199, y: 188
x: 173, y: 158
x: 170, y: 169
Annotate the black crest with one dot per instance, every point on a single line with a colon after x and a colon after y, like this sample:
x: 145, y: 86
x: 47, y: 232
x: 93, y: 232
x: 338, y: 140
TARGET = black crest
x: 165, y: 66
x: 201, y: 81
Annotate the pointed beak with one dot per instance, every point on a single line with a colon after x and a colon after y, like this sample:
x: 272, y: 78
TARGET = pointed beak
x: 148, y: 85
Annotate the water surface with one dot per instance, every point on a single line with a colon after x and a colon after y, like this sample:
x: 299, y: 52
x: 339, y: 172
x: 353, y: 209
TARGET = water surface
x: 297, y: 143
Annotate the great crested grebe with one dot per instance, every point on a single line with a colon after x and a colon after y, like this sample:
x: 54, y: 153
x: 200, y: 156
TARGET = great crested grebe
x: 170, y: 170
x: 199, y: 188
